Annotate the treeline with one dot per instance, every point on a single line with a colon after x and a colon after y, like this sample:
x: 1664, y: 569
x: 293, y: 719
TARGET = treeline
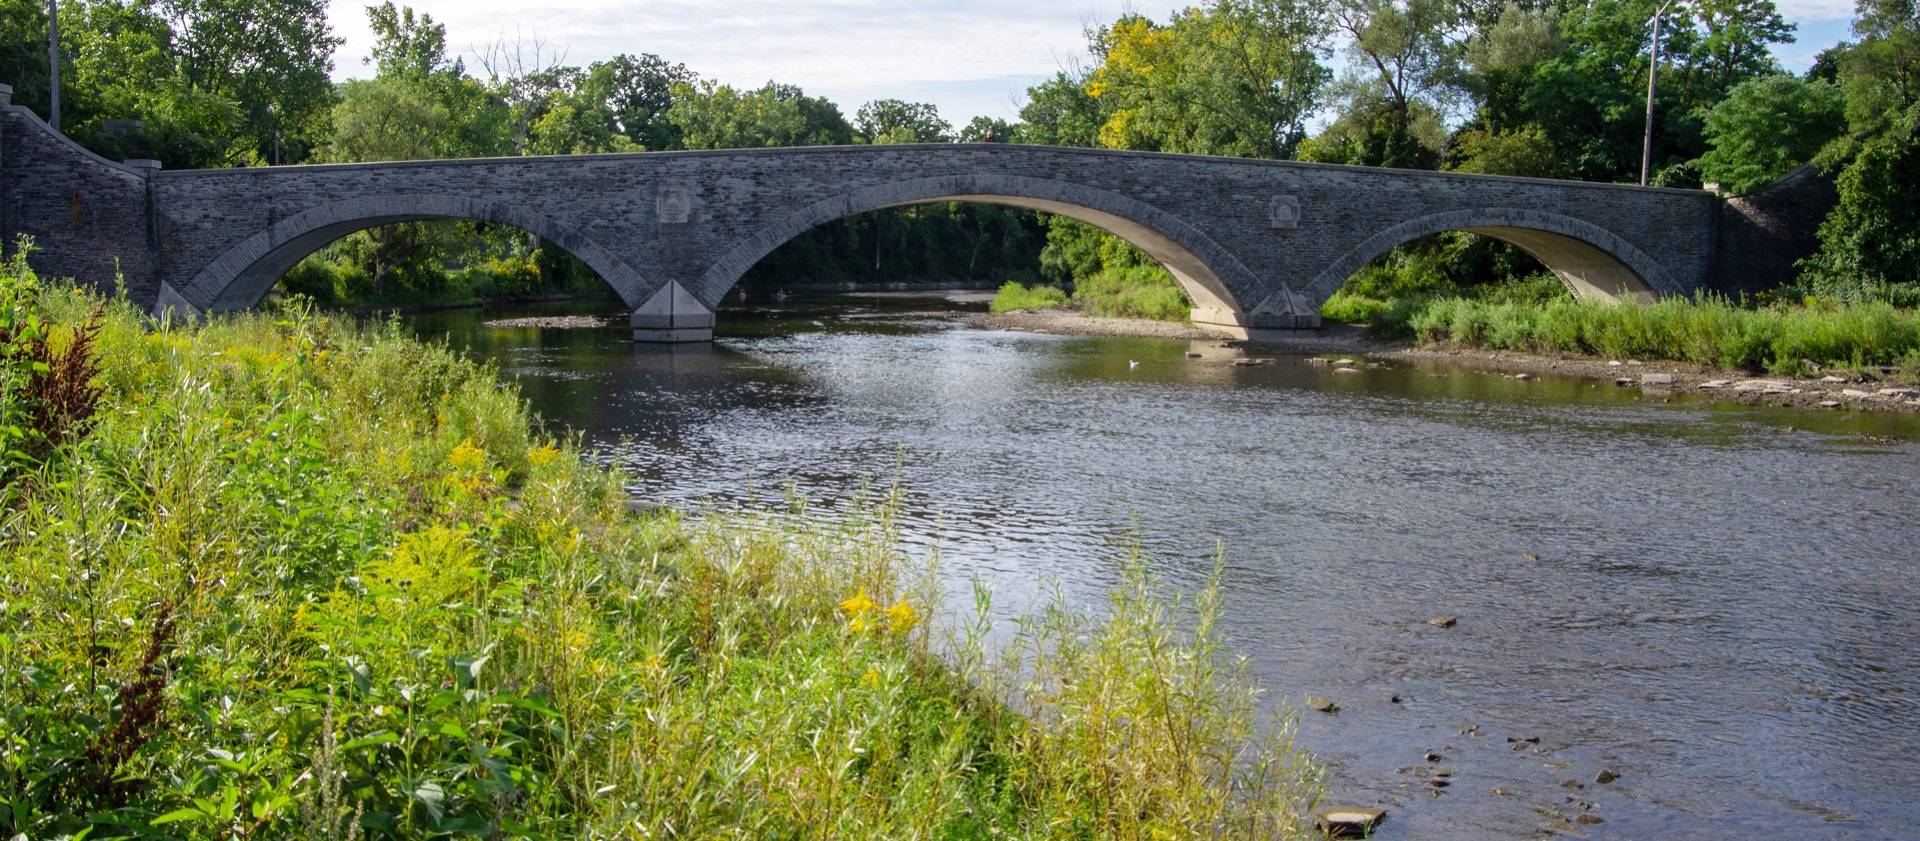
x: 1546, y: 88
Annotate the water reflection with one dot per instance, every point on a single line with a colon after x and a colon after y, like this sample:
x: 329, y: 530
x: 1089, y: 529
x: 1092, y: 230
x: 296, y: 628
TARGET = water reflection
x: 1718, y: 609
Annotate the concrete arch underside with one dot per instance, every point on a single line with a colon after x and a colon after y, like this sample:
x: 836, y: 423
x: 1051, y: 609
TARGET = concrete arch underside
x: 1593, y: 262
x: 242, y: 277
x: 1212, y: 277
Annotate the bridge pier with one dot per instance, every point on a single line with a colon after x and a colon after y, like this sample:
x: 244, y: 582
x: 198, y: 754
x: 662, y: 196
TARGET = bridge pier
x: 672, y: 316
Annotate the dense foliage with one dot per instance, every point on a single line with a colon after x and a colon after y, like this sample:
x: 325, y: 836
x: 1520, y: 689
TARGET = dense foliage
x: 298, y: 577
x: 190, y: 82
x: 1790, y: 340
x: 1870, y: 245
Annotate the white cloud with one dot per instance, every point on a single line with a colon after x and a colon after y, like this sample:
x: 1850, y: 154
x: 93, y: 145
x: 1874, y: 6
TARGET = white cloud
x: 1810, y: 10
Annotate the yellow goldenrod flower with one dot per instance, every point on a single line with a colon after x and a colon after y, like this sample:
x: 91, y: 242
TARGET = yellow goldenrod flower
x: 467, y: 458
x: 902, y: 617
x: 543, y: 455
x: 871, y: 678
x: 858, y: 605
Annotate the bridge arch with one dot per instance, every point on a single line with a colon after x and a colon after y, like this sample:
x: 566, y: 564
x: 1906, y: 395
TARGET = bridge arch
x: 1212, y: 277
x: 241, y: 277
x: 1593, y: 262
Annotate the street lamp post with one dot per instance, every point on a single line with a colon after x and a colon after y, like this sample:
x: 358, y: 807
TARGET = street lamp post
x: 53, y: 64
x: 1653, y: 75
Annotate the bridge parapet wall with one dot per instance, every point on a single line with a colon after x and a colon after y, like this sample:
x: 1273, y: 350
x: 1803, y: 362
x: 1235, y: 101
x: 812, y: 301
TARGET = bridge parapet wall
x: 87, y: 215
x: 1257, y: 243
x: 1763, y: 236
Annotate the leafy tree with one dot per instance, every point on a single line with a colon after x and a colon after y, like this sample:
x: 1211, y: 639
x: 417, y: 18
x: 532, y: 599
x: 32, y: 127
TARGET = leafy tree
x: 270, y: 58
x: 124, y: 98
x: 639, y: 92
x: 988, y: 129
x: 1590, y: 97
x: 1405, y: 76
x: 1525, y: 151
x: 409, y: 48
x: 385, y: 119
x: 191, y: 82
x: 23, y: 51
x: 710, y: 115
x: 1870, y: 244
x: 526, y: 75
x: 1766, y: 127
x: 1060, y: 112
x: 1238, y: 77
x: 895, y: 121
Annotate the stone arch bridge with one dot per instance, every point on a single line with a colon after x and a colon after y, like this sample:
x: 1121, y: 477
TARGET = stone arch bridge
x: 1258, y: 245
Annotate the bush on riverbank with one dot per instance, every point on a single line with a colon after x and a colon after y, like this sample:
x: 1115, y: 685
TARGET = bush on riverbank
x: 1138, y: 292
x: 296, y: 574
x: 1789, y: 340
x: 1110, y: 277
x: 1012, y: 296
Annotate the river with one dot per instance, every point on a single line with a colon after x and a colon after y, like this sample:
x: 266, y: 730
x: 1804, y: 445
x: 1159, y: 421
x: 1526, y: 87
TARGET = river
x: 1718, y: 603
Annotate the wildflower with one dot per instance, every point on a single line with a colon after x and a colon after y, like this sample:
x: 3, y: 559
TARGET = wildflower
x: 467, y: 458
x: 858, y: 605
x: 902, y: 617
x: 871, y: 678
x: 543, y: 455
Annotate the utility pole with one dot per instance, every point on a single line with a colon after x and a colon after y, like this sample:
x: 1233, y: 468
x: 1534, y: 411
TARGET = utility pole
x: 1653, y: 75
x: 53, y: 64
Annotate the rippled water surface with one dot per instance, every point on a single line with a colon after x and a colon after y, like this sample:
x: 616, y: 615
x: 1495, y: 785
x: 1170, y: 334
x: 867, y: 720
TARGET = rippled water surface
x: 1719, y: 603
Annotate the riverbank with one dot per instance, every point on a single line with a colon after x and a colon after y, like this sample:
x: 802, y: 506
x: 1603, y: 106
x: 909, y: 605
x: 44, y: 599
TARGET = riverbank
x: 1072, y: 322
x: 287, y: 574
x: 1846, y: 391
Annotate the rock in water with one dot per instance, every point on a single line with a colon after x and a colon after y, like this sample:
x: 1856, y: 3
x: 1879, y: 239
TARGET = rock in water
x: 1605, y: 776
x: 1443, y: 621
x: 1347, y: 821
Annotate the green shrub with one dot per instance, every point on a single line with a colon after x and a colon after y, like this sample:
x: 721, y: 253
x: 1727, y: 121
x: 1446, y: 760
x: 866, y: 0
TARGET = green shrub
x: 1013, y: 296
x: 1351, y: 307
x: 1147, y: 292
x: 317, y: 278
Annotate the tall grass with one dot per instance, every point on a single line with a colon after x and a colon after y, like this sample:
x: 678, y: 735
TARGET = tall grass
x: 1788, y: 340
x: 1012, y: 296
x: 1146, y: 292
x: 308, y: 578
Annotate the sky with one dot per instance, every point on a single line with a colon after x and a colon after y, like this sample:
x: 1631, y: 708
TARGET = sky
x: 967, y: 57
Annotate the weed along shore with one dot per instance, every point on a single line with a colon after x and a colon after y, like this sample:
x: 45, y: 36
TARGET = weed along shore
x: 281, y: 574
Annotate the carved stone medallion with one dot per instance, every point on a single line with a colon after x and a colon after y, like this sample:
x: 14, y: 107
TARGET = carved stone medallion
x: 674, y: 206
x: 1284, y: 211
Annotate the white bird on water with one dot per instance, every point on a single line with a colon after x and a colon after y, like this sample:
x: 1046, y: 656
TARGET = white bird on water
x: 1132, y: 364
